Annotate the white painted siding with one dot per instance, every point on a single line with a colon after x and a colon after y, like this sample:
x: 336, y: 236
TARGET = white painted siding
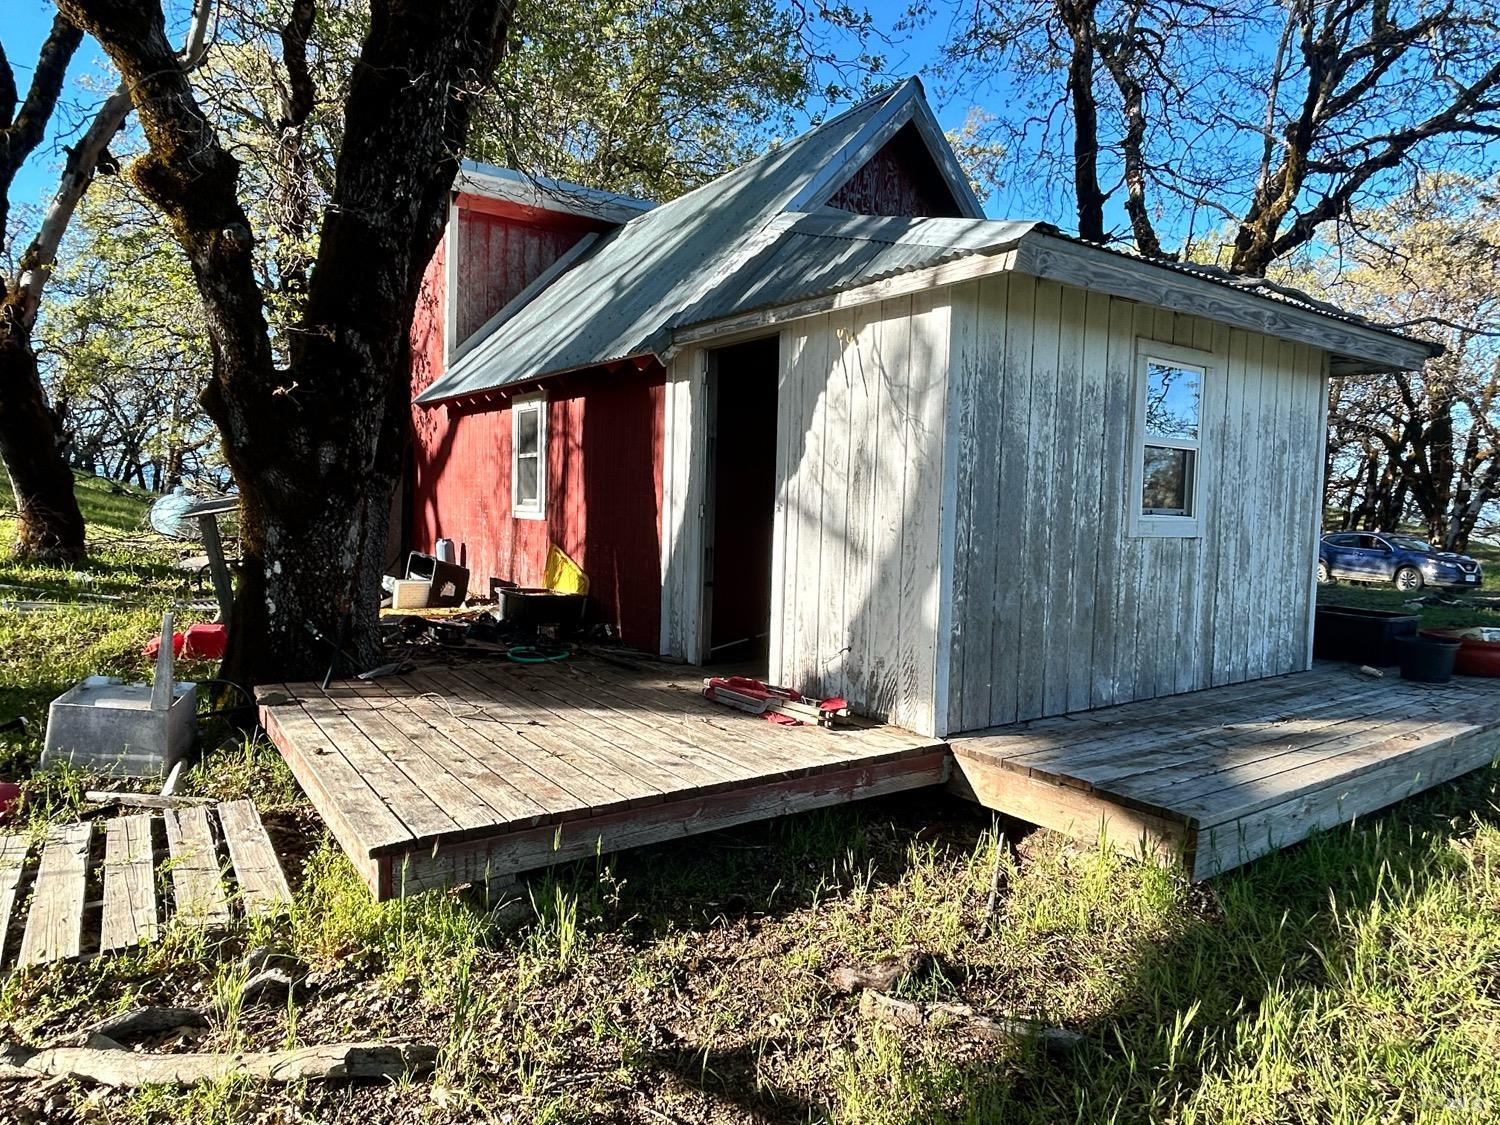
x: 862, y: 418
x: 1055, y: 605
x: 683, y: 473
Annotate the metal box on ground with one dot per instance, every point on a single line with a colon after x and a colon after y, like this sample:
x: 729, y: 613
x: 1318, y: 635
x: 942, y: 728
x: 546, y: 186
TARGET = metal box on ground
x: 109, y: 726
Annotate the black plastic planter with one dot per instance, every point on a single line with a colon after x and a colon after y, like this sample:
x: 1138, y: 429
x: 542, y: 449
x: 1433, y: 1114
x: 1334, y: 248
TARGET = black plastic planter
x: 1360, y: 636
x: 1428, y: 660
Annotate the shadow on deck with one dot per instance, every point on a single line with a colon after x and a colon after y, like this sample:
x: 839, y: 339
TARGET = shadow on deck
x: 481, y: 770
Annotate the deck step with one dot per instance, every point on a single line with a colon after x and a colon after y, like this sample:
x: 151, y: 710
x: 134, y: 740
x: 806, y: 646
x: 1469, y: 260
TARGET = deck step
x: 144, y: 887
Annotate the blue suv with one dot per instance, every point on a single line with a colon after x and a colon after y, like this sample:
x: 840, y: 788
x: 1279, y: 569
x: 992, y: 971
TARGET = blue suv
x: 1381, y: 556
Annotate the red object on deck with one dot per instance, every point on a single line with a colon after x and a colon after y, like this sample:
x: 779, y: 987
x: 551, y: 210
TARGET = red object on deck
x: 783, y: 705
x: 9, y: 792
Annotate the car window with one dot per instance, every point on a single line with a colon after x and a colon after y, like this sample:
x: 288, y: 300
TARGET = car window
x: 1373, y: 543
x: 1339, y: 540
x: 1409, y: 543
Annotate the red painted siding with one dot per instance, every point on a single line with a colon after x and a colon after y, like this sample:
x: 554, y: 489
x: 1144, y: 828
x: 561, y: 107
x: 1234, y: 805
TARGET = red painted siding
x: 900, y: 179
x: 504, y: 249
x: 603, y: 459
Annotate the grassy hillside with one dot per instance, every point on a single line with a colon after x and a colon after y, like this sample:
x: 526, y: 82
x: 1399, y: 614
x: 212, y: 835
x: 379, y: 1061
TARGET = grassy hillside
x: 58, y: 625
x: 105, y: 504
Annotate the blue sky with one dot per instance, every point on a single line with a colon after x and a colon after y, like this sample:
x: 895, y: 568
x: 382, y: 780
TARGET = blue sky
x: 23, y: 28
x: 26, y: 22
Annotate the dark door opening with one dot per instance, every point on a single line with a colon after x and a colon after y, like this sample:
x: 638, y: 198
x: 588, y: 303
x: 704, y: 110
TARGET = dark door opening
x: 742, y: 500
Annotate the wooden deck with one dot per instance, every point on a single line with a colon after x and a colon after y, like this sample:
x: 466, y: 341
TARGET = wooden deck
x: 477, y: 771
x: 486, y: 769
x: 1221, y: 777
x: 93, y: 892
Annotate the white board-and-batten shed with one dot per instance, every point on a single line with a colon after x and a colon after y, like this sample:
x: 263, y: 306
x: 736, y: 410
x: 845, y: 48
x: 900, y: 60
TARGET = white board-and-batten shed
x: 960, y: 471
x: 1038, y: 478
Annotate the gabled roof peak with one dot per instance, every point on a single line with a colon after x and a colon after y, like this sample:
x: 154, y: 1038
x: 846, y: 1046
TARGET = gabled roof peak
x: 623, y: 294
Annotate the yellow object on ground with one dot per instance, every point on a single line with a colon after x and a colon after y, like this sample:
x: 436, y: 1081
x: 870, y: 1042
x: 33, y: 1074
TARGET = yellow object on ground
x: 563, y: 574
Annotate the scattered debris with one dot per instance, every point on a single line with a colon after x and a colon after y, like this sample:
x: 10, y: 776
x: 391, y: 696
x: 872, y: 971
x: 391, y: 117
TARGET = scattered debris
x: 395, y: 668
x: 272, y: 977
x: 906, y: 1014
x: 118, y: 1067
x: 882, y: 975
x: 126, y: 800
x: 776, y: 704
x: 141, y: 1022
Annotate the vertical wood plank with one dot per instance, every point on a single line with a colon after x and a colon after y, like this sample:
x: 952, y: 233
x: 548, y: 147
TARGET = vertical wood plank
x: 812, y: 380
x: 130, y: 915
x: 197, y: 879
x: 13, y: 851
x: 1036, y: 623
x: 859, y: 573
x: 1067, y: 484
x: 833, y: 527
x: 958, y: 490
x: 926, y: 381
x: 992, y: 309
x: 1092, y: 425
x: 1113, y: 635
x: 893, y: 350
x: 262, y: 884
x: 1211, y: 642
x: 1005, y: 636
x: 54, y: 924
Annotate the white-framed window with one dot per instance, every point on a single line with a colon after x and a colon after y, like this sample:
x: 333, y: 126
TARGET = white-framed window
x: 528, y: 456
x: 1167, y: 457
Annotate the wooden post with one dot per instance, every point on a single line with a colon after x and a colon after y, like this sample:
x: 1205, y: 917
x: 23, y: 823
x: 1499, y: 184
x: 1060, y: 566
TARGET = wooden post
x: 218, y: 569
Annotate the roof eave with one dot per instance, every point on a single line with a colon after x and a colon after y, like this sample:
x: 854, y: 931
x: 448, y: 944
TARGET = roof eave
x: 1066, y: 260
x: 548, y: 194
x: 1041, y: 252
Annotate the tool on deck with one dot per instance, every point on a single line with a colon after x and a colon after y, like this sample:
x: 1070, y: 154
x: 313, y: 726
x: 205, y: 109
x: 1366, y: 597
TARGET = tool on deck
x: 775, y: 704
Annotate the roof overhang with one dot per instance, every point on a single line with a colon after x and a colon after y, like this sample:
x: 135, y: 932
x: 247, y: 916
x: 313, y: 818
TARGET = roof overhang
x: 1043, y: 252
x: 544, y: 194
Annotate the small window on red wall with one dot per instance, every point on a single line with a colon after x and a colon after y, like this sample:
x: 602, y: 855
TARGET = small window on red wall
x: 528, y: 457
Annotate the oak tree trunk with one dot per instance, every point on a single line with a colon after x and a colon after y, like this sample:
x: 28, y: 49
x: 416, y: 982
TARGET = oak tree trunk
x: 49, y: 526
x: 315, y: 444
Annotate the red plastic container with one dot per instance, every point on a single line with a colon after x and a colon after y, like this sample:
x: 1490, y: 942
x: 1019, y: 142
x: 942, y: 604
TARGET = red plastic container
x: 206, y: 642
x: 1476, y: 657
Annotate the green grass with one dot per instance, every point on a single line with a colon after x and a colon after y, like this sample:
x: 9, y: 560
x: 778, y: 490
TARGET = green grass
x: 105, y: 504
x: 1353, y: 978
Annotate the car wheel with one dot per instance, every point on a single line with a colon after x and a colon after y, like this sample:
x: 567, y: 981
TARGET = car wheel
x: 1325, y: 576
x: 1408, y: 579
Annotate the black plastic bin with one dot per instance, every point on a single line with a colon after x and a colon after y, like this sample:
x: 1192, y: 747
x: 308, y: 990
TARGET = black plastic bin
x: 450, y: 582
x: 1427, y: 660
x: 522, y: 606
x: 1360, y: 636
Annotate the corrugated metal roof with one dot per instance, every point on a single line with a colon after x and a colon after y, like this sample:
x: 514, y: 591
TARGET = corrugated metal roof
x: 822, y: 253
x: 620, y: 297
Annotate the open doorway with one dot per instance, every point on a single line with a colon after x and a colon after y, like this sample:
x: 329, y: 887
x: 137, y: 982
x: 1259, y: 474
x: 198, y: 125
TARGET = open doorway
x: 741, y: 509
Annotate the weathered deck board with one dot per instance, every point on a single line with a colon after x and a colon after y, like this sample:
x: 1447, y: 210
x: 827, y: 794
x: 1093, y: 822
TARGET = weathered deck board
x: 1223, y: 776
x: 532, y: 764
x: 538, y: 764
x: 129, y: 884
x: 197, y: 880
x: 13, y: 851
x: 54, y: 924
x: 262, y: 883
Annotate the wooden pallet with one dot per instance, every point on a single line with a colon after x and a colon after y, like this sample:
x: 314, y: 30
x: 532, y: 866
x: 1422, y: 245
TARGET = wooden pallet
x: 196, y: 866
